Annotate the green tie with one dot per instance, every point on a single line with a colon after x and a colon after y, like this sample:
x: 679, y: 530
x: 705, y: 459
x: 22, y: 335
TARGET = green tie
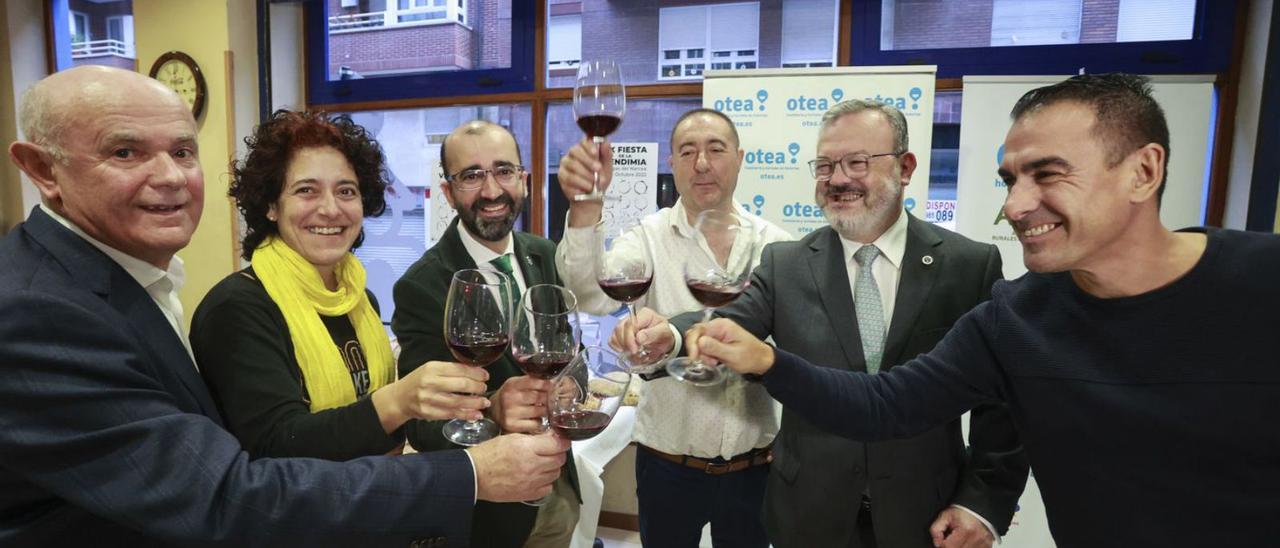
x: 503, y: 264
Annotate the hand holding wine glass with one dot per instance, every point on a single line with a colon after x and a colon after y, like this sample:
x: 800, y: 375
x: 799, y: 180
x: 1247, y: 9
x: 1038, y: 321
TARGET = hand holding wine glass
x: 477, y: 329
x: 599, y: 103
x: 715, y: 278
x: 624, y: 272
x: 586, y: 395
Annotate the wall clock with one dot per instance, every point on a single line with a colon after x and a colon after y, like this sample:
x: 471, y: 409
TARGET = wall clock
x: 180, y: 73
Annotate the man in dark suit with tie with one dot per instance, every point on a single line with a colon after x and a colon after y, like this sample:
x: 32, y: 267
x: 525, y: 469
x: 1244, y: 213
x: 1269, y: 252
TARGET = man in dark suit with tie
x: 109, y: 435
x: 875, y: 288
x: 486, y: 185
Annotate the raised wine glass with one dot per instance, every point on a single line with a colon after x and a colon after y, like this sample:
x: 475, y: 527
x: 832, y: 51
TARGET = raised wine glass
x: 715, y: 278
x: 545, y: 337
x: 599, y: 102
x: 585, y: 396
x: 477, y: 326
x: 624, y: 272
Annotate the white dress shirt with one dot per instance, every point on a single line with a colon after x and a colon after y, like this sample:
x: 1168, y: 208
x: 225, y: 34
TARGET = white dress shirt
x: 161, y: 285
x: 707, y: 422
x: 482, y: 255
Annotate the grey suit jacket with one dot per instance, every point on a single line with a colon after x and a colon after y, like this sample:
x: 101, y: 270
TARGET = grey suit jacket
x: 800, y: 295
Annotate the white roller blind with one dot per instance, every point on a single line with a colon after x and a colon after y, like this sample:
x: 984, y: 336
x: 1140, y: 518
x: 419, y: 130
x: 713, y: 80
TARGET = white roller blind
x: 1032, y: 22
x: 565, y: 32
x: 807, y: 30
x: 1155, y: 20
x: 682, y: 28
x: 734, y: 26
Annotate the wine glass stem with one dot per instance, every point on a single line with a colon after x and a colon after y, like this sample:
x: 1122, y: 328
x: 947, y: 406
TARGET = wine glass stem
x: 595, y: 185
x: 698, y: 364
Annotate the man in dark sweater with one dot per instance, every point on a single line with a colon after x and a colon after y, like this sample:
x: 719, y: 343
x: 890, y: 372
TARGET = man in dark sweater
x: 1138, y: 363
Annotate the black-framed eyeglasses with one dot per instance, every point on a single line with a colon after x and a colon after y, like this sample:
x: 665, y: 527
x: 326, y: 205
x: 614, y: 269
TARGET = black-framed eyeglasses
x: 853, y: 165
x: 471, y: 179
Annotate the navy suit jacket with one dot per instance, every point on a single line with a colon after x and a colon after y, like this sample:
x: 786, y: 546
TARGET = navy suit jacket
x: 109, y: 436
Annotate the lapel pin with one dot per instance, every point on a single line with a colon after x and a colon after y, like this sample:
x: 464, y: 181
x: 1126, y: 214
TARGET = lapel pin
x: 927, y: 260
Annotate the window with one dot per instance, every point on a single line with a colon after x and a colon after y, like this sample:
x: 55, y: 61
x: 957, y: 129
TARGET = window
x: 651, y: 44
x: 411, y: 141
x: 1045, y: 36
x: 79, y: 28
x: 96, y: 32
x: 944, y: 159
x: 686, y: 33
x: 564, y: 43
x: 373, y: 50
x: 1029, y: 23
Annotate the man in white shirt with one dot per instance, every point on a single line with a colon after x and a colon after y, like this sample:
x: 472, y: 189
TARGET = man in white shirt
x: 703, y: 452
x: 109, y: 434
x: 873, y: 289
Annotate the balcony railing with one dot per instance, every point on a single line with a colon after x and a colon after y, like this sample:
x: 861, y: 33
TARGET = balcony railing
x: 373, y: 20
x: 101, y: 48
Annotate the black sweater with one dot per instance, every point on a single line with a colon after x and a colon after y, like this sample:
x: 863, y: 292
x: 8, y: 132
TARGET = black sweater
x: 1151, y: 420
x: 241, y: 342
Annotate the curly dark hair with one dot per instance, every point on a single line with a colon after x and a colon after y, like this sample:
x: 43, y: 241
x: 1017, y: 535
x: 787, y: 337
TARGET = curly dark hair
x: 258, y: 179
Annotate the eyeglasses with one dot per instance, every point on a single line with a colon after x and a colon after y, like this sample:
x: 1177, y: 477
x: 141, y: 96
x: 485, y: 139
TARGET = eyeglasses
x: 853, y: 165
x: 468, y: 180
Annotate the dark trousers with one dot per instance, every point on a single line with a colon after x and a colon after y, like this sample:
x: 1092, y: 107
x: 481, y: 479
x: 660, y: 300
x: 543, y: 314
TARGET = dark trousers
x: 677, y: 501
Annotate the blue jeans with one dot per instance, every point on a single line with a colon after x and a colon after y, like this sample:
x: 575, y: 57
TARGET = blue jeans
x: 677, y: 501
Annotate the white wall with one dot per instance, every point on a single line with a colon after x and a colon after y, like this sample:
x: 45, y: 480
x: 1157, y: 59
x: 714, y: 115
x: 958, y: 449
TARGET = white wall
x: 25, y: 65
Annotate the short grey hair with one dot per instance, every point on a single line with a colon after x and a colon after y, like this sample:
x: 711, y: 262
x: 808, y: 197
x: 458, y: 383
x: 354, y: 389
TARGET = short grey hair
x: 40, y: 122
x: 853, y: 106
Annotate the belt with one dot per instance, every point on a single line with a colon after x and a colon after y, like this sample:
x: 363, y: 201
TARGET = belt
x: 715, y: 467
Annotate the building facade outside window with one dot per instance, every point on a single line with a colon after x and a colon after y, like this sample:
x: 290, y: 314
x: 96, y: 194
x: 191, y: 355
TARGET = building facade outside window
x: 370, y: 38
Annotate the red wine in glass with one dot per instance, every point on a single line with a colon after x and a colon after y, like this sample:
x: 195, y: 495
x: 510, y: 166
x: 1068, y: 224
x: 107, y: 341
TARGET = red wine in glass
x: 543, y: 365
x: 599, y: 125
x: 478, y: 352
x: 713, y: 295
x: 626, y: 290
x: 580, y: 425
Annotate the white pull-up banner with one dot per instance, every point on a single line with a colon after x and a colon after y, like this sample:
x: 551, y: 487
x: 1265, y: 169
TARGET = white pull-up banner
x: 1188, y: 105
x: 777, y: 113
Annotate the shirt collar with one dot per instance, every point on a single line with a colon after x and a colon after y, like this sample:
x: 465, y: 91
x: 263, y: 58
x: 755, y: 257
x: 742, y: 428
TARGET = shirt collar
x: 141, y: 271
x: 478, y: 251
x: 892, y: 243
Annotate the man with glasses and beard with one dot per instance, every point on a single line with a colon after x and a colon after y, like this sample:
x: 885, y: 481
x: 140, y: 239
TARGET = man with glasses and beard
x: 873, y: 290
x: 486, y: 185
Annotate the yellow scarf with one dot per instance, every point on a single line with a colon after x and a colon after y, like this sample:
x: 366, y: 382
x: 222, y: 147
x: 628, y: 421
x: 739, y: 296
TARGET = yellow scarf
x: 296, y: 287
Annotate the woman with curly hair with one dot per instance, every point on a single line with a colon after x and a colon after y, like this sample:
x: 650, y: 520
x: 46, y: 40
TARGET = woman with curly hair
x: 292, y: 347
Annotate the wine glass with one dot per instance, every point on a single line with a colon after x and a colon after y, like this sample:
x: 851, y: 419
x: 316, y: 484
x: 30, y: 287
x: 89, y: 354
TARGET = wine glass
x: 625, y: 272
x: 477, y: 327
x: 587, y: 394
x: 599, y: 102
x: 716, y: 278
x: 545, y: 337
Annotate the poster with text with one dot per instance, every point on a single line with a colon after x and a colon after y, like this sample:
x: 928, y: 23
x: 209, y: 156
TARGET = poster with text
x: 777, y: 113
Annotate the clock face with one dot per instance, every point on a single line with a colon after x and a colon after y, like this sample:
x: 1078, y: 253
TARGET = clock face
x: 179, y: 72
x: 180, y: 78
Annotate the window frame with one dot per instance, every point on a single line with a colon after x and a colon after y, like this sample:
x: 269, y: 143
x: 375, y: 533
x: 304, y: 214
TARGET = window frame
x: 519, y: 77
x: 1202, y: 54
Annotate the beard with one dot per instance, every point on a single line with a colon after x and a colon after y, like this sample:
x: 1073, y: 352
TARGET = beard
x: 491, y: 230
x: 863, y: 226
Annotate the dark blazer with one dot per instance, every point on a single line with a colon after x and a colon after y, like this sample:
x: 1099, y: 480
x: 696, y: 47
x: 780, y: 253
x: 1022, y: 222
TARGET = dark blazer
x: 109, y: 436
x: 418, y: 323
x: 800, y: 295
